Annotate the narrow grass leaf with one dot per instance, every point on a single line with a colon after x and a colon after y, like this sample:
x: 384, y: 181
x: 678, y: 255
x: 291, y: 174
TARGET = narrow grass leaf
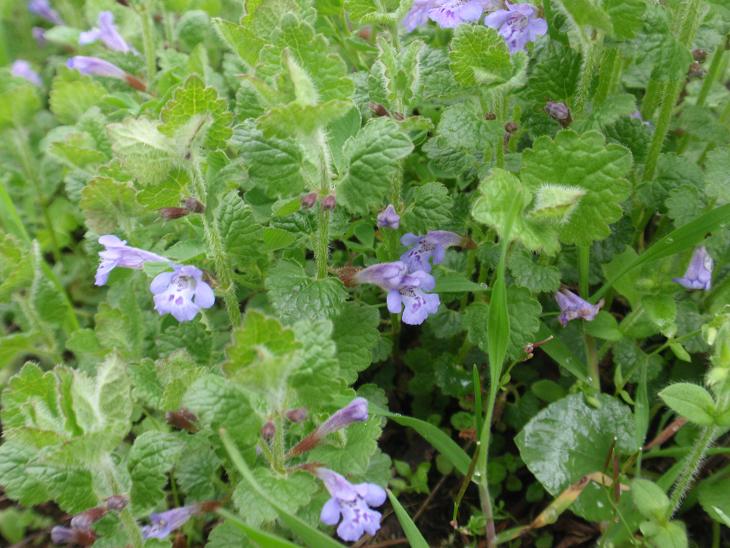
x: 414, y: 536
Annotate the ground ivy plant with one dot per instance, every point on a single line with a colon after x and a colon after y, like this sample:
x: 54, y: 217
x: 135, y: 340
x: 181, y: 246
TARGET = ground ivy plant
x: 428, y: 272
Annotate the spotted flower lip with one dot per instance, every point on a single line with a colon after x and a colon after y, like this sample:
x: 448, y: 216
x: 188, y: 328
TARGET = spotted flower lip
x: 164, y: 523
x: 93, y: 66
x: 518, y: 25
x: 182, y: 293
x: 572, y: 307
x: 117, y: 253
x: 350, y: 503
x: 411, y: 299
x: 22, y: 69
x: 388, y: 218
x: 107, y: 32
x: 699, y: 271
x: 431, y: 246
x: 43, y: 9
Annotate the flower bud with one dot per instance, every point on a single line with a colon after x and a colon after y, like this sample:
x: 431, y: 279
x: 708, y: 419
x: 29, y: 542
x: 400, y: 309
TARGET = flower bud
x: 559, y: 112
x: 490, y: 116
x: 67, y: 535
x: 297, y: 415
x: 268, y: 430
x: 511, y: 127
x: 86, y: 519
x: 378, y: 109
x: 329, y: 203
x: 388, y: 218
x: 308, y: 200
x: 169, y: 213
x: 193, y: 205
x: 182, y: 419
x: 699, y: 55
x: 355, y: 411
x: 116, y: 502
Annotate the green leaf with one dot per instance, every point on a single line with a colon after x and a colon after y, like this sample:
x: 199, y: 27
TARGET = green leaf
x: 414, y: 536
x: 714, y: 500
x: 274, y: 165
x: 194, y: 111
x: 355, y: 335
x: 143, y: 151
x: 429, y: 207
x: 433, y: 435
x: 533, y: 275
x: 650, y: 499
x: 72, y: 95
x: 497, y: 194
x: 569, y: 439
x: 302, y: 120
x: 152, y: 455
x: 717, y: 174
x: 479, y: 56
x: 627, y: 16
x: 310, y: 535
x: 295, y: 295
x: 107, y: 204
x: 553, y: 73
x: 218, y: 403
x: 241, y: 234
x: 582, y: 161
x: 19, y: 100
x: 587, y: 12
x: 455, y: 282
x: 372, y: 161
x: 355, y: 451
x: 289, y: 493
x: 690, y: 401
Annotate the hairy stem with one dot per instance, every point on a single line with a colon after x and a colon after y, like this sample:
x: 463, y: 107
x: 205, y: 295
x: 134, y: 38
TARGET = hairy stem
x: 591, y: 55
x: 321, y: 248
x: 687, y: 26
x: 223, y: 270
x: 148, y: 41
x: 610, y: 72
x: 713, y: 73
x: 692, y: 463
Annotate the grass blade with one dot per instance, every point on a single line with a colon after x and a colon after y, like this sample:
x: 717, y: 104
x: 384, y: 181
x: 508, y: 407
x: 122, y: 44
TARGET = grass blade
x: 414, y: 536
x: 262, y: 538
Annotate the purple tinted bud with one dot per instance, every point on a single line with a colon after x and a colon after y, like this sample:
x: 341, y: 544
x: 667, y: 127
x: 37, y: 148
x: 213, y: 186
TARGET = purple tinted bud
x: 39, y: 34
x: 308, y: 200
x: 329, y: 202
x: 106, y: 32
x: 116, y: 502
x: 118, y: 253
x: 385, y: 275
x: 67, y: 535
x: 559, y: 112
x: 388, y: 218
x: 573, y: 307
x: 95, y: 67
x: 166, y: 522
x: 181, y: 293
x: 518, y: 25
x: 297, y: 415
x: 42, y: 8
x: 86, y: 519
x: 699, y: 271
x: 22, y: 69
x: 268, y: 430
x: 411, y: 299
x: 350, y: 503
x: 432, y: 245
x: 355, y: 411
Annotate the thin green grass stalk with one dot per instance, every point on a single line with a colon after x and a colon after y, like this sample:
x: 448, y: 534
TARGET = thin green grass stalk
x: 148, y: 41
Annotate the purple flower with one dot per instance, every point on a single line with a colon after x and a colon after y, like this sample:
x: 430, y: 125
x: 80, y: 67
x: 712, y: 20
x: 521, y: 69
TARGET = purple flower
x: 433, y: 244
x: 388, y: 218
x: 118, y: 253
x: 573, y: 307
x: 106, y: 32
x: 699, y: 271
x: 70, y: 535
x: 95, y: 67
x: 22, y: 69
x: 446, y: 13
x: 166, y: 522
x: 385, y: 275
x: 39, y: 33
x: 355, y: 411
x: 351, y: 503
x: 182, y: 293
x: 42, y: 8
x: 410, y: 297
x: 518, y: 25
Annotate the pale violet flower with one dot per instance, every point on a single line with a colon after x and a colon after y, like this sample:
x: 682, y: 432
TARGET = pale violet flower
x: 388, y: 218
x: 165, y: 523
x: 95, y: 67
x: 117, y: 253
x: 699, y: 271
x: 355, y: 411
x: 431, y: 246
x: 518, y: 25
x: 350, y: 503
x: 43, y: 9
x: 107, y: 32
x: 573, y: 307
x: 181, y: 293
x: 411, y: 298
x: 445, y: 13
x: 39, y: 34
x: 22, y: 69
x: 385, y: 275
